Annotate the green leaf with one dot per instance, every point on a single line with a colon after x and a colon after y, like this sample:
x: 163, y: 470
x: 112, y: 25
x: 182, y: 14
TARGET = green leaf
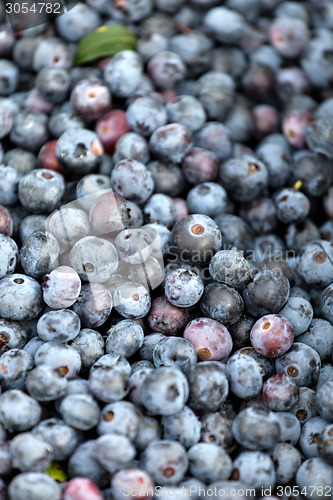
x: 105, y: 41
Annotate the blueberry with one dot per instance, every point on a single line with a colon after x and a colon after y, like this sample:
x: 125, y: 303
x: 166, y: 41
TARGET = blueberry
x: 124, y: 338
x: 168, y: 179
x: 166, y: 461
x: 37, y: 485
x: 62, y: 438
x: 280, y: 392
x: 149, y: 431
x: 21, y: 297
x: 62, y: 120
x: 244, y: 375
x: 80, y: 21
x: 314, y: 472
x: 93, y: 305
x: 53, y: 84
x: 109, y: 378
x: 126, y: 62
x: 134, y: 479
x: 287, y: 460
x: 226, y: 25
x: 150, y: 44
x: 301, y: 362
x: 166, y: 69
x: 164, y: 391
x: 196, y: 237
x: 255, y: 469
x: 161, y: 209
x: 40, y: 191
x: 289, y: 36
x: 267, y: 293
x: 289, y: 426
x: 18, y: 411
x: 30, y: 453
x: 222, y: 303
x: 131, y: 146
x: 244, y: 177
x: 59, y: 357
x: 311, y: 431
x: 292, y: 206
x: 9, y: 255
x: 183, y: 427
x: 188, y: 111
x: 52, y: 52
x: 26, y: 136
x: 80, y: 411
x: 114, y: 452
x: 256, y: 428
x: 208, y: 198
x: 319, y: 336
x: 183, y: 288
x: 79, y: 151
x: 203, y: 460
x: 82, y: 463
x: 132, y: 300
x: 9, y: 77
x: 39, y: 253
x: 175, y: 352
x: 306, y: 407
x: 235, y: 232
x: 171, y: 142
x: 121, y: 417
x: 299, y: 313
x: 272, y: 335
x: 90, y: 99
x: 208, y: 386
x: 132, y: 180
x: 78, y: 484
x: 214, y: 137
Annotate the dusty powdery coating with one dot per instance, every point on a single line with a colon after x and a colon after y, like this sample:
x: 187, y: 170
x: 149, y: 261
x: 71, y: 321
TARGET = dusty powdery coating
x: 133, y: 180
x: 132, y: 300
x: 20, y: 297
x: 61, y: 288
x: 183, y: 287
x: 62, y: 325
x: 124, y: 338
x: 39, y: 253
x: 244, y: 375
x: 93, y: 305
x: 8, y: 255
x: 165, y: 391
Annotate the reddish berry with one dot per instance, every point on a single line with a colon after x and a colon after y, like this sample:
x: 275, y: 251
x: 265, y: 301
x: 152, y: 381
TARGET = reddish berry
x: 136, y: 481
x: 47, y: 157
x: 6, y: 221
x: 166, y: 318
x: 272, y: 335
x: 211, y: 339
x: 294, y: 126
x: 110, y: 128
x: 81, y: 488
x: 181, y: 208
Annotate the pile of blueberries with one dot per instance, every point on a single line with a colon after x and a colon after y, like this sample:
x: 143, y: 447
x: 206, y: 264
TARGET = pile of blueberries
x: 166, y: 254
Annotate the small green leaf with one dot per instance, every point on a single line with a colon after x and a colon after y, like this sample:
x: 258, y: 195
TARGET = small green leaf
x: 105, y: 41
